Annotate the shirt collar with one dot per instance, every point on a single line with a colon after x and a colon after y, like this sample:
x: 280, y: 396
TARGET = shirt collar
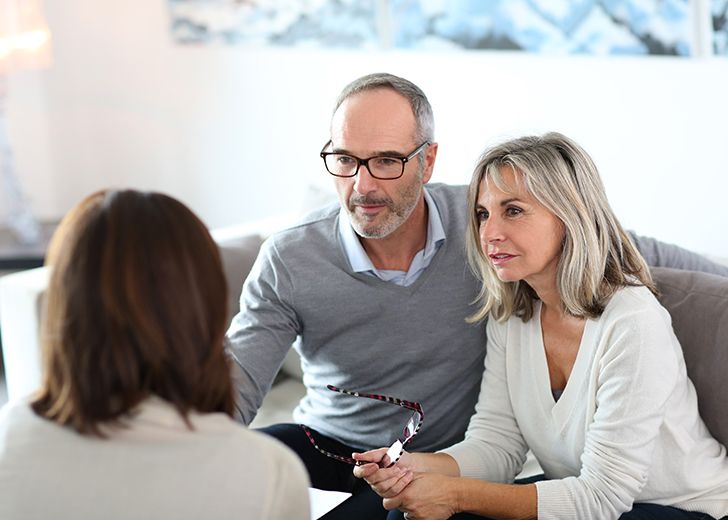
x: 358, y: 258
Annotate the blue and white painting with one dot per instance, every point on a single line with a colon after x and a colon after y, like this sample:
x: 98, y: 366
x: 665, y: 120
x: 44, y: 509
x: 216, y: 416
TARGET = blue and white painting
x: 605, y: 27
x: 719, y: 16
x: 547, y: 26
x: 302, y: 23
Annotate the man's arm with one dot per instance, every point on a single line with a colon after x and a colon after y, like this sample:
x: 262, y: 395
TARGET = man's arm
x: 262, y: 332
x: 661, y: 254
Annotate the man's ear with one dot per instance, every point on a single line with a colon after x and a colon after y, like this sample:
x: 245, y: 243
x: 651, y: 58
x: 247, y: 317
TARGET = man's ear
x: 430, y: 156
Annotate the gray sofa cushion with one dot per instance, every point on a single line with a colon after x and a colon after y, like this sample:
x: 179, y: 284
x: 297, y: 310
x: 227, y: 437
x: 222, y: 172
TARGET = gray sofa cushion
x: 662, y: 254
x: 238, y: 255
x: 698, y: 305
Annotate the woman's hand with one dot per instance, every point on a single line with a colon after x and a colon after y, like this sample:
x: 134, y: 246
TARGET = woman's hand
x: 427, y: 496
x: 385, y: 481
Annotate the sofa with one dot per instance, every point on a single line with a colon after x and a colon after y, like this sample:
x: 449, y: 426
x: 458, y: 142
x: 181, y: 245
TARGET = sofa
x: 697, y: 302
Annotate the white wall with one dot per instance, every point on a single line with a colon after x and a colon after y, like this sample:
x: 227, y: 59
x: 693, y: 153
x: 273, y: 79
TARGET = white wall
x: 235, y: 132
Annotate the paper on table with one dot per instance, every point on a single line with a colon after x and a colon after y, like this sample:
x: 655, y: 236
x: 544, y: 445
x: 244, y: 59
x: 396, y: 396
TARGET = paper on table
x: 324, y: 501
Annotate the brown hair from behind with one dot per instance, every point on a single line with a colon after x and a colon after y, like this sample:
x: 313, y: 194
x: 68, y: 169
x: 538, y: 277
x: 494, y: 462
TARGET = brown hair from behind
x: 136, y: 306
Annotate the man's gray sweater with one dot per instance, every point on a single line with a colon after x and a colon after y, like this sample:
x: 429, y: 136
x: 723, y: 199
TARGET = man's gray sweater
x: 361, y: 333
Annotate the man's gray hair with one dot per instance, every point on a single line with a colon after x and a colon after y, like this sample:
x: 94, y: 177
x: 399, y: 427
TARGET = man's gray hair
x: 425, y: 129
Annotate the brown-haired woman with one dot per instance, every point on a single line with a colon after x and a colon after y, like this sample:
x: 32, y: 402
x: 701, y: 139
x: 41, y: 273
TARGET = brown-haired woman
x: 133, y: 416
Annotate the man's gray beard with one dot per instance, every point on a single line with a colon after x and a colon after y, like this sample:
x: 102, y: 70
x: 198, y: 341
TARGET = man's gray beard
x: 396, y: 218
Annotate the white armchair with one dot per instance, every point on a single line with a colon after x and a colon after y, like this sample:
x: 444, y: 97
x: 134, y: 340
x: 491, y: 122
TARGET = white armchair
x: 21, y: 299
x: 21, y: 303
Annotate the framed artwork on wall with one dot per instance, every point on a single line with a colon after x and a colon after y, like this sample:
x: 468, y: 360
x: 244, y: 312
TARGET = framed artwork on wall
x: 592, y: 27
x: 547, y: 26
x: 294, y: 23
x: 719, y: 19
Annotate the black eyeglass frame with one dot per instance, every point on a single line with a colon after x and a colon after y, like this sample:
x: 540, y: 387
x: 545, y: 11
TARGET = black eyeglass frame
x: 396, y: 450
x: 365, y: 162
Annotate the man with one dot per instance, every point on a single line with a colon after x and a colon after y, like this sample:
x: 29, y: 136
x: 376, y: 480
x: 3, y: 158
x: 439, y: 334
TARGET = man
x: 377, y: 289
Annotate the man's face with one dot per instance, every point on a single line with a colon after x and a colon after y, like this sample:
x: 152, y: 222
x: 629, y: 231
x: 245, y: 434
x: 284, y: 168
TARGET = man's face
x: 379, y: 122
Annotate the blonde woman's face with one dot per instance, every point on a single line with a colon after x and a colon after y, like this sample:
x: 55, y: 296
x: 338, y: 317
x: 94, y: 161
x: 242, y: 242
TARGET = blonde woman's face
x: 519, y: 236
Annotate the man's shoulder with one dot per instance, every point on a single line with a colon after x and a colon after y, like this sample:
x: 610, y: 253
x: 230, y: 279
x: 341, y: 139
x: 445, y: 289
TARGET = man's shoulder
x: 447, y: 191
x: 451, y: 201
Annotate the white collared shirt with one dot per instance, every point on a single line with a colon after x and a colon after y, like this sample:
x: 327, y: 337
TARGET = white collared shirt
x: 361, y: 263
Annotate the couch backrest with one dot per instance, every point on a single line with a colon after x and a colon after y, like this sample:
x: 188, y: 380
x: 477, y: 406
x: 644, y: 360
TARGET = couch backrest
x: 238, y: 255
x: 698, y: 305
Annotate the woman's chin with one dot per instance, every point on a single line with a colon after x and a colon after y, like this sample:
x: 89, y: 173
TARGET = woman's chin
x: 505, y: 276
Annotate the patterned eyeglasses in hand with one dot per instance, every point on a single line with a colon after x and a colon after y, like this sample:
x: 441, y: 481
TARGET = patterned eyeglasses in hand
x: 397, y: 448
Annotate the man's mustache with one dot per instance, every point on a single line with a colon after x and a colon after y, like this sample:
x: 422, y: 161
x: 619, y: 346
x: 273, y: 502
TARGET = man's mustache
x: 363, y: 200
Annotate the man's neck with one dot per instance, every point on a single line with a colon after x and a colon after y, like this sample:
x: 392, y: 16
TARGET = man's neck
x: 397, y: 250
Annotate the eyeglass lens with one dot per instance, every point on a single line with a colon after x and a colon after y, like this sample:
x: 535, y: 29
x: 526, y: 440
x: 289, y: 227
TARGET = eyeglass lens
x: 346, y: 165
x: 397, y: 448
x: 411, y: 427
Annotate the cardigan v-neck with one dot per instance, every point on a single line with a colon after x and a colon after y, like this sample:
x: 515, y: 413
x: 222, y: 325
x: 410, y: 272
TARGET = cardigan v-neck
x: 559, y: 410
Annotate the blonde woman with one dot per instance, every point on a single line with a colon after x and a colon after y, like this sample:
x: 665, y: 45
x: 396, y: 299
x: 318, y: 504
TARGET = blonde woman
x: 582, y: 365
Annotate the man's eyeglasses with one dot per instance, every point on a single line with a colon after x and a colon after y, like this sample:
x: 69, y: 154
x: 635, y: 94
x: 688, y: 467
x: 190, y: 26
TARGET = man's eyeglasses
x: 397, y: 448
x: 388, y: 167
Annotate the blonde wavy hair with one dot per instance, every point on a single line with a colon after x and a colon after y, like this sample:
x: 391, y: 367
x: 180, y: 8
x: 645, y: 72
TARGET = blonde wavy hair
x: 597, y: 256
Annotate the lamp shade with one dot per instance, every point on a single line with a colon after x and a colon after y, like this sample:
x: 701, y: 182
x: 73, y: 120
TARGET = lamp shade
x: 24, y: 35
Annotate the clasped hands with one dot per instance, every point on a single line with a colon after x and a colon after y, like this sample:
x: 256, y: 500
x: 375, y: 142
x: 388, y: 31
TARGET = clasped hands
x: 406, y: 486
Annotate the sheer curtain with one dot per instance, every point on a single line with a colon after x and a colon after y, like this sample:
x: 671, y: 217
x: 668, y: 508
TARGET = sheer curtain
x: 24, y: 43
